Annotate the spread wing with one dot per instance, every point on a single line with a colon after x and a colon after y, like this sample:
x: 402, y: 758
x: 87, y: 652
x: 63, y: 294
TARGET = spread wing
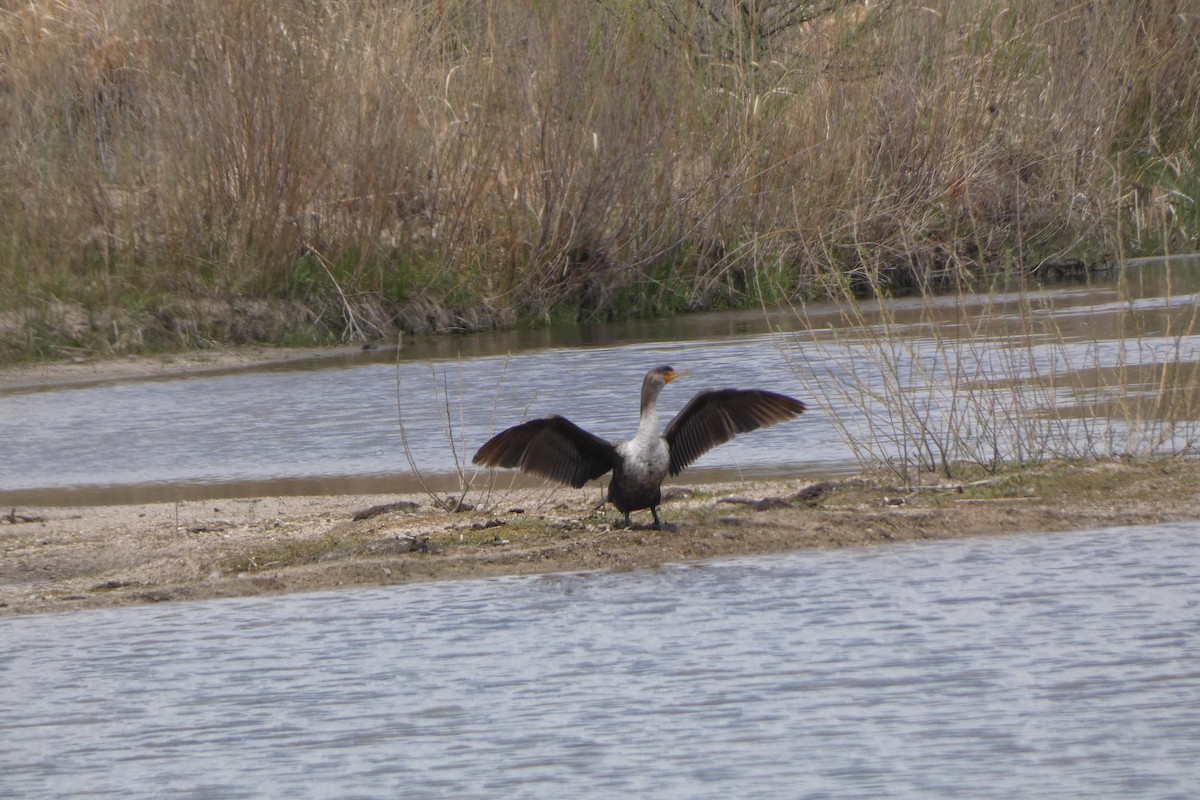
x: 553, y: 447
x: 715, y: 416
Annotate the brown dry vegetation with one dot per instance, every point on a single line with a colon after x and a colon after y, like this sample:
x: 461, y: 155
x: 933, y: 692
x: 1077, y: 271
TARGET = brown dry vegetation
x: 60, y: 559
x: 177, y: 174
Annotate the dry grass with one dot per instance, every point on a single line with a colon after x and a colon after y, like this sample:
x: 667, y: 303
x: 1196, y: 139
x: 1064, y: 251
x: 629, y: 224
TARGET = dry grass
x: 994, y: 379
x: 181, y: 173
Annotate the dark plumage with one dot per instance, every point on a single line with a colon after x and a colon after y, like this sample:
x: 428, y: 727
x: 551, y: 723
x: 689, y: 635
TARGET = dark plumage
x: 558, y: 449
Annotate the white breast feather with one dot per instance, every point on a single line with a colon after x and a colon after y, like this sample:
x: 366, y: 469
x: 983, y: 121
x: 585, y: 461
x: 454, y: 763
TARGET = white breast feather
x: 645, y: 457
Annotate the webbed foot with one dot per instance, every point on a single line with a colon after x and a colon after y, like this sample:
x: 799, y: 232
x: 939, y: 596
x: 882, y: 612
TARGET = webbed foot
x: 659, y: 525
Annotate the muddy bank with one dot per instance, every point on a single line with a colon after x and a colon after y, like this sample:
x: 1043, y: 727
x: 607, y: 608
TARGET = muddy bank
x: 60, y: 559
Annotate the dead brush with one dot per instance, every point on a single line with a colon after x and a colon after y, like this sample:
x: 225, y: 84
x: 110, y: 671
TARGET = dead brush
x: 445, y: 393
x: 472, y: 165
x: 1001, y: 376
x: 441, y: 400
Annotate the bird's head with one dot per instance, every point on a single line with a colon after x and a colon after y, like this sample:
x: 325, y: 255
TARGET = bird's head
x: 655, y: 380
x: 665, y: 374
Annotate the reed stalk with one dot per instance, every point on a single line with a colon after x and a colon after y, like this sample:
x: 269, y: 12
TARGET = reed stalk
x: 1001, y: 376
x: 182, y: 174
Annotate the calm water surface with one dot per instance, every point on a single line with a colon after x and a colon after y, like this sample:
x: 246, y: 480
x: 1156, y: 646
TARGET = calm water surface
x: 345, y: 420
x: 341, y: 425
x: 1028, y: 666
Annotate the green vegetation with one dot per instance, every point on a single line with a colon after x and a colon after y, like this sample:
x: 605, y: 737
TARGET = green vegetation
x: 178, y: 174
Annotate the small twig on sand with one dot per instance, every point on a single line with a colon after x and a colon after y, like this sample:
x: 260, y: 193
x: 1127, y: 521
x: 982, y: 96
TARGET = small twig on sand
x: 960, y: 487
x: 814, y: 491
x: 1025, y: 498
x: 808, y: 494
x: 952, y: 487
x: 759, y: 504
x: 13, y: 518
x: 375, y: 511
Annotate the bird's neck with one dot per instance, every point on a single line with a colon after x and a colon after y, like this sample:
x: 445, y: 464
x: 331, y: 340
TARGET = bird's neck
x: 648, y: 424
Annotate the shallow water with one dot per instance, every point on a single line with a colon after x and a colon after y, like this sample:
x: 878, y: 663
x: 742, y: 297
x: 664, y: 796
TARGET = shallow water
x: 1042, y: 666
x: 341, y: 425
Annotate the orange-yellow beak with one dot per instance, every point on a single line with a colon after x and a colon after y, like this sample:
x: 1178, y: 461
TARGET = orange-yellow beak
x: 672, y: 375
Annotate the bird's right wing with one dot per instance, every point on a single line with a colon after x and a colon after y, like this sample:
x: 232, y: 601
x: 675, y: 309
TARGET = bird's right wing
x: 714, y: 416
x: 552, y: 447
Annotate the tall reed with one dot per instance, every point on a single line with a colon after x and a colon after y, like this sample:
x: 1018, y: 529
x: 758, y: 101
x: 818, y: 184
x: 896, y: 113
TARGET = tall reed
x: 176, y: 173
x: 1002, y: 376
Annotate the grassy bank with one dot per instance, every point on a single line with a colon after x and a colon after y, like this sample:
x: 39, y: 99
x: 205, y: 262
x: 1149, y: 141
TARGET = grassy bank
x: 179, y: 174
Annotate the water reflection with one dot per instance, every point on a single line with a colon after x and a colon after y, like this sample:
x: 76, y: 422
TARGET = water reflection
x: 1027, y: 666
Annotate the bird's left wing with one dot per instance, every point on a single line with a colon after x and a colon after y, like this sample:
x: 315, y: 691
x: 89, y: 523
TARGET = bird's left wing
x: 553, y: 447
x: 715, y: 416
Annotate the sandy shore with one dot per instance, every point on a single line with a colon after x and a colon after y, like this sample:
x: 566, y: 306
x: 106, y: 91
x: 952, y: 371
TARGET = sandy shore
x: 66, y: 558
x: 83, y: 371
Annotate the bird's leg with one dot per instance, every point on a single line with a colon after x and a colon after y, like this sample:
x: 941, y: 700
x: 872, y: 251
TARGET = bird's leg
x: 659, y: 525
x: 628, y: 520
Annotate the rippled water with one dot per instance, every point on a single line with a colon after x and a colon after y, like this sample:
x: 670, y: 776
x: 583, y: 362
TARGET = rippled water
x: 1029, y: 666
x: 349, y: 418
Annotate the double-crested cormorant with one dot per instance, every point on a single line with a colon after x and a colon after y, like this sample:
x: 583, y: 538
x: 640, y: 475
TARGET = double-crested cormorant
x: 558, y: 449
